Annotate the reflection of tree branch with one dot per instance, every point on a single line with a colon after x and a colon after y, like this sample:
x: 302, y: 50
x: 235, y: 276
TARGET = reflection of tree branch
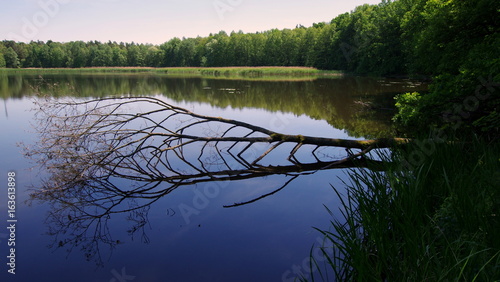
x: 263, y: 196
x: 90, y: 148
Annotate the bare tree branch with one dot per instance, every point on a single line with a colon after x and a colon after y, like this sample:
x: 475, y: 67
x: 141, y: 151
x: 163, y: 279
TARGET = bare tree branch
x: 88, y: 148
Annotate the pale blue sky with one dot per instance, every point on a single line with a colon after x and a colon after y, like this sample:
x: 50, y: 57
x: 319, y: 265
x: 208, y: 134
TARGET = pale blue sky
x: 157, y: 21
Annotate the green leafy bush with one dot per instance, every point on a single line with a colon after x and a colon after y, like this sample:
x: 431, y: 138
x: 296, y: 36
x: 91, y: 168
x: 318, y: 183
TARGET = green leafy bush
x: 408, y: 108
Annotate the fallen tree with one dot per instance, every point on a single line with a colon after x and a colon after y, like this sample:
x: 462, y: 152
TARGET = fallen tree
x: 88, y: 147
x: 102, y: 138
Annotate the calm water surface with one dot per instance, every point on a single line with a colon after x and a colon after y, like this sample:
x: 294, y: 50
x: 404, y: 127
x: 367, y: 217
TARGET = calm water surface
x: 188, y: 235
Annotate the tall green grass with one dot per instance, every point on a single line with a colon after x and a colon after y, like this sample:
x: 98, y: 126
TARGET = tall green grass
x: 439, y: 221
x: 247, y: 72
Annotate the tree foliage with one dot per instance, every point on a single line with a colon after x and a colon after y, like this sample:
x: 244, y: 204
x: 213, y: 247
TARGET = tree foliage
x: 459, y: 43
x: 393, y: 37
x: 343, y: 44
x: 454, y: 41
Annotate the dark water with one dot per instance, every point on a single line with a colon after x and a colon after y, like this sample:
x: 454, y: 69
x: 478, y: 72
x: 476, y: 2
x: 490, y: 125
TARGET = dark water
x: 187, y: 234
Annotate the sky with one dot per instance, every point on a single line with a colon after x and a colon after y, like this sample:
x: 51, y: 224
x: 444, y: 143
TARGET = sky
x: 157, y: 21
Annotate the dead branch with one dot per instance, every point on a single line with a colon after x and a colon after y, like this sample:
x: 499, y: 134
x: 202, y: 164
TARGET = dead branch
x: 87, y: 143
x: 88, y: 147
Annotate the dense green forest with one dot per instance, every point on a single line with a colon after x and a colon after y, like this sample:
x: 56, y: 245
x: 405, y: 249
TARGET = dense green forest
x: 394, y: 37
x: 456, y: 42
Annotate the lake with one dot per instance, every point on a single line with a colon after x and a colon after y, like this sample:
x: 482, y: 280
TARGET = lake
x: 184, y: 231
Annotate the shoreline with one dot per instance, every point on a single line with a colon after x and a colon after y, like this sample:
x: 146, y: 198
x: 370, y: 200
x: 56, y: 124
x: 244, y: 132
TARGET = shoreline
x: 197, y: 71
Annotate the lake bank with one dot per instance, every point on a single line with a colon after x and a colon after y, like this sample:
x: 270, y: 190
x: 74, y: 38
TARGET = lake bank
x: 348, y: 103
x: 431, y: 219
x: 244, y: 72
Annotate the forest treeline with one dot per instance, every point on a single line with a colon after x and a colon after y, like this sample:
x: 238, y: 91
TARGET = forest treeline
x: 393, y: 37
x: 456, y: 42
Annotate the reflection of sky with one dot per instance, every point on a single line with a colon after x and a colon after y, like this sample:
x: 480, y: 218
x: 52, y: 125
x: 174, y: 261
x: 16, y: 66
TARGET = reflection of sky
x: 285, y: 123
x: 257, y: 242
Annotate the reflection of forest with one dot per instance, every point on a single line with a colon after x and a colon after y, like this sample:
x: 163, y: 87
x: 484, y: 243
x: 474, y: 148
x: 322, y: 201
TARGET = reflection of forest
x: 346, y: 103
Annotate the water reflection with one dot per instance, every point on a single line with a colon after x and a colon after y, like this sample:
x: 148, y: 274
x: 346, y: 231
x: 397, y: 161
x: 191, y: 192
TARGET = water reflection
x: 257, y: 242
x: 112, y: 156
x: 357, y: 105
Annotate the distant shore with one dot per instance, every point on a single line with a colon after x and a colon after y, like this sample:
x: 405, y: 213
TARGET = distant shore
x: 195, y: 71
